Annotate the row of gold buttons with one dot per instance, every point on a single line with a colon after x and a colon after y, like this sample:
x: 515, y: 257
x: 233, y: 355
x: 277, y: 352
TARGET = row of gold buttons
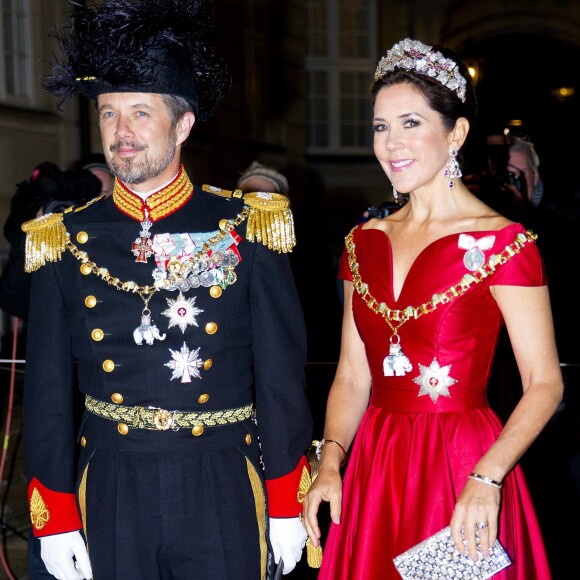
x: 109, y: 366
x: 196, y: 431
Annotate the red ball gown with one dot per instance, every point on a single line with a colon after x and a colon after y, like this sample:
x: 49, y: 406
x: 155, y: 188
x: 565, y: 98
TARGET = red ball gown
x: 426, y: 428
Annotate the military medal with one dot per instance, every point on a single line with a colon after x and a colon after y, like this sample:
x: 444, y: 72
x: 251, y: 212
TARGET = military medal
x: 185, y: 364
x: 180, y: 267
x: 182, y: 312
x: 141, y: 247
x: 434, y: 380
x: 474, y: 258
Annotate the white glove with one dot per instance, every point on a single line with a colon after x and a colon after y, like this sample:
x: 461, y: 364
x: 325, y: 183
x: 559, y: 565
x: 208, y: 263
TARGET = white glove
x: 288, y: 538
x: 57, y: 554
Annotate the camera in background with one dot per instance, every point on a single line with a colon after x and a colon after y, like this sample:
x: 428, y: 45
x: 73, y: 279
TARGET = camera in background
x: 519, y: 182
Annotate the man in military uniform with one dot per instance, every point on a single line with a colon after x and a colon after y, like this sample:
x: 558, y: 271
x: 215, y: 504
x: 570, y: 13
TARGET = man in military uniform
x: 176, y: 307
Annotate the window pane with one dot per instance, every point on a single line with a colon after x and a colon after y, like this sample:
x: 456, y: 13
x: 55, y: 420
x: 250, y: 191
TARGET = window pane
x: 365, y: 136
x: 15, y: 49
x: 320, y: 108
x: 317, y: 33
x: 347, y: 136
x: 341, y: 61
x: 319, y: 135
x: 10, y: 85
x: 319, y: 82
x: 20, y: 26
x: 346, y: 109
x: 354, y: 29
x: 355, y: 110
x: 365, y: 110
x: 8, y: 41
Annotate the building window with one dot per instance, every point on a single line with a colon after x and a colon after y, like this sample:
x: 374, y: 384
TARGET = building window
x: 15, y: 52
x: 340, y: 64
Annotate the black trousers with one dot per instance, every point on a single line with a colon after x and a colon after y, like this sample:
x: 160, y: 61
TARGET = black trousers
x: 171, y: 506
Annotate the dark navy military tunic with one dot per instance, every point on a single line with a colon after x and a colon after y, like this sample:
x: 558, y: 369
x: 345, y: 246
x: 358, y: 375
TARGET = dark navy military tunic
x: 165, y: 504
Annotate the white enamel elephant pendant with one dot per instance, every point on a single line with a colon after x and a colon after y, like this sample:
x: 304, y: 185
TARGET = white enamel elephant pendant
x: 396, y: 363
x: 147, y: 331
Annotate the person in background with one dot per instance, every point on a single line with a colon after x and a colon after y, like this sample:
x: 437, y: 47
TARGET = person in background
x: 555, y: 222
x: 523, y: 163
x: 47, y: 190
x: 493, y: 183
x: 258, y: 177
x: 426, y: 291
x: 178, y: 309
x: 510, y: 182
x: 96, y: 163
x: 322, y: 323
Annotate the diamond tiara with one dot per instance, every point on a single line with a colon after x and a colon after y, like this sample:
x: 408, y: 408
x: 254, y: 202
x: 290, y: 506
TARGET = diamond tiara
x: 415, y: 56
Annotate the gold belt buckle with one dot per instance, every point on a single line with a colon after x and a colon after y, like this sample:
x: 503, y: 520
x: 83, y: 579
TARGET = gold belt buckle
x: 162, y: 419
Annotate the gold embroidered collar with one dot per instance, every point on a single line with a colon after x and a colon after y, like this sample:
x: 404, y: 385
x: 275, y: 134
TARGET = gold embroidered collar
x: 158, y: 205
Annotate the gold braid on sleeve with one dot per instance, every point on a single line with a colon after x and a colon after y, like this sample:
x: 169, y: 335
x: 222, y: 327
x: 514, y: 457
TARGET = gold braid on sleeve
x: 45, y: 240
x: 270, y: 221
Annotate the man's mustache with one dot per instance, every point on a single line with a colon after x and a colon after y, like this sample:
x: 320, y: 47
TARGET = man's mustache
x: 130, y: 144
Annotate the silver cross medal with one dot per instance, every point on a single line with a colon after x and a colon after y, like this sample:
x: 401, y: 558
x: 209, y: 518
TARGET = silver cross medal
x: 141, y: 247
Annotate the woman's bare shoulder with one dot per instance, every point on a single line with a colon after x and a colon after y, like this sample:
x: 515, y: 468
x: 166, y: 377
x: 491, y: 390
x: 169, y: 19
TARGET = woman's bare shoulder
x: 486, y: 218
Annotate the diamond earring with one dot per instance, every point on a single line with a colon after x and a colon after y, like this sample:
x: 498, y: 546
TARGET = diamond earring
x: 452, y: 170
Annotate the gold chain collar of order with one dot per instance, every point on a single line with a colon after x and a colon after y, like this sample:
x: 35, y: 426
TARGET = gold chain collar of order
x: 396, y: 318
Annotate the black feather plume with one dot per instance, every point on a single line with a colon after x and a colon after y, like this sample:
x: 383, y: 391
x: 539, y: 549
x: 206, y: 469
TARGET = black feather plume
x: 122, y: 44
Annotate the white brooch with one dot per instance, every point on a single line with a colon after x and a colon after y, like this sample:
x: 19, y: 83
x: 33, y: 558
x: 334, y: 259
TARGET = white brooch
x: 434, y: 380
x: 182, y: 312
x: 474, y: 257
x: 185, y: 364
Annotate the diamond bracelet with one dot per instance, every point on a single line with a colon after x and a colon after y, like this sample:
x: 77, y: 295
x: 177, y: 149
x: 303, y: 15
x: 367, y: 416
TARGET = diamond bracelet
x: 323, y: 442
x: 485, y: 479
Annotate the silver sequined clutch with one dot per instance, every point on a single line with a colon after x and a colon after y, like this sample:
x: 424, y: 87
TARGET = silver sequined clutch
x: 436, y: 557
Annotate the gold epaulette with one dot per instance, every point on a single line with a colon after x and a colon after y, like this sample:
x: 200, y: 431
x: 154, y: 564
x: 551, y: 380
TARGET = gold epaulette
x: 270, y: 219
x: 45, y: 240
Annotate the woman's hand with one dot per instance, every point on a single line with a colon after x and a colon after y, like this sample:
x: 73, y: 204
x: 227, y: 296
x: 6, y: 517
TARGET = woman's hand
x: 326, y: 487
x: 476, y: 511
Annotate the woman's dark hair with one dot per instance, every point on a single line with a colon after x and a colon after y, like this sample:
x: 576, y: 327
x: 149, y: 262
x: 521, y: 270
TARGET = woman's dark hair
x: 441, y: 99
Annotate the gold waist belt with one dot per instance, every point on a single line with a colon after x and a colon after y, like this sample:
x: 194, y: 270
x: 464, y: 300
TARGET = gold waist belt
x: 161, y: 419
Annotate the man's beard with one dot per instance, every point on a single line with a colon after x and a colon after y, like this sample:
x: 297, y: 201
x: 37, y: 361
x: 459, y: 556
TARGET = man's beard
x: 133, y: 171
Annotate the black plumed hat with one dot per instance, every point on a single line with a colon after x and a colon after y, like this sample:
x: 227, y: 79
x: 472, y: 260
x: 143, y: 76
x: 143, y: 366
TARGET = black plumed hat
x: 145, y: 46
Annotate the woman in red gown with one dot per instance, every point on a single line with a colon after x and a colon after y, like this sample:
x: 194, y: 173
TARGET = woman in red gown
x: 427, y: 291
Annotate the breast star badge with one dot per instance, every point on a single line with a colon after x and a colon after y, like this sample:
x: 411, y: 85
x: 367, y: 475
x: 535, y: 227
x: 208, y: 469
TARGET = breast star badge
x: 434, y: 380
x: 184, y: 364
x: 182, y: 312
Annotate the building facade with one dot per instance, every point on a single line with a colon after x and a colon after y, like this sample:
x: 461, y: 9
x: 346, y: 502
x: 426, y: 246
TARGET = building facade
x: 301, y: 70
